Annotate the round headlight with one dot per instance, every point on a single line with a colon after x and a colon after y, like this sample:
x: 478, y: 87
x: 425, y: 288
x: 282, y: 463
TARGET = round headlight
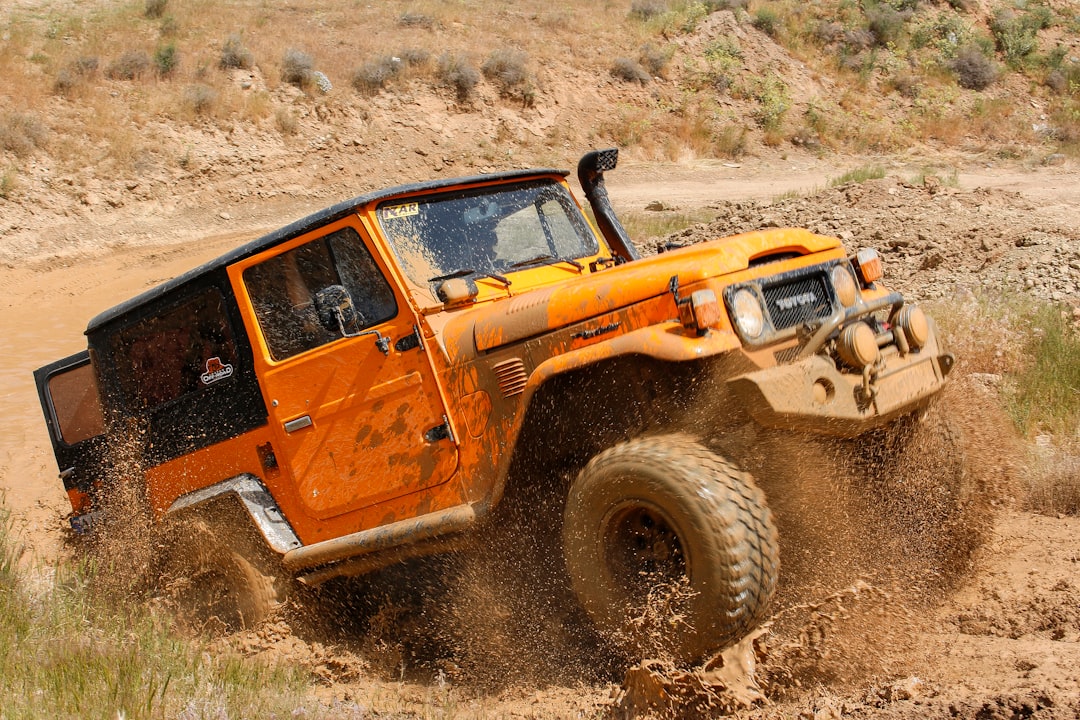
x: 916, y: 326
x: 857, y: 345
x: 844, y: 284
x: 749, y: 317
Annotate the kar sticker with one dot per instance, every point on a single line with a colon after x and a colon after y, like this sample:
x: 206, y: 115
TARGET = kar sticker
x: 400, y: 211
x: 216, y: 370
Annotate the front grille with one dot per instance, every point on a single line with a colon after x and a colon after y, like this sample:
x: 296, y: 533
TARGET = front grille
x: 798, y: 301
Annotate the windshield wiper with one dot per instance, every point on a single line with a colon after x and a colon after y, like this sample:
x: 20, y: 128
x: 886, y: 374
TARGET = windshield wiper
x: 465, y: 272
x: 549, y: 260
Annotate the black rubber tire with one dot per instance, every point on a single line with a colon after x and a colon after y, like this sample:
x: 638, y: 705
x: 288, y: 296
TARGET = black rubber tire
x: 217, y: 581
x: 655, y: 508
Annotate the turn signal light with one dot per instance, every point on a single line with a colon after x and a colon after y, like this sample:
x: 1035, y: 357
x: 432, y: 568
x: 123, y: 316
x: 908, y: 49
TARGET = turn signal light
x: 701, y: 311
x: 868, y: 263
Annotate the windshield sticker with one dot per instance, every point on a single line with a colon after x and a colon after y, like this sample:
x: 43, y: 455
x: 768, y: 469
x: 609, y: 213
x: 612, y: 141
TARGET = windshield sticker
x: 216, y: 370
x: 400, y: 211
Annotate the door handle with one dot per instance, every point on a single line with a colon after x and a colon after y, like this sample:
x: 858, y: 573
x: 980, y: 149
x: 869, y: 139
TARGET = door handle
x: 298, y: 424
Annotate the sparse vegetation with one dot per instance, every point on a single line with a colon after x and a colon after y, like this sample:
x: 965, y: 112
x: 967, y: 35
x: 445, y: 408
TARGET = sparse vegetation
x: 859, y: 174
x: 373, y: 75
x: 200, y: 98
x: 286, y: 121
x: 629, y: 70
x: 235, y: 55
x: 166, y: 60
x: 507, y: 67
x: 155, y: 8
x: 69, y: 653
x: 21, y: 133
x: 457, y: 72
x: 8, y: 183
x: 973, y: 69
x: 132, y: 65
x: 297, y: 68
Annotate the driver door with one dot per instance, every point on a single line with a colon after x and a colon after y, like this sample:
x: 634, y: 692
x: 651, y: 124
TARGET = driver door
x: 356, y: 420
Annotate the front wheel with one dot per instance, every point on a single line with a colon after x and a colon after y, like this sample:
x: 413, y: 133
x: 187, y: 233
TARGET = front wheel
x: 670, y: 548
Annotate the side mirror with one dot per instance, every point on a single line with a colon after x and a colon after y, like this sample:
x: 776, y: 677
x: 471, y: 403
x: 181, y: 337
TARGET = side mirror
x: 336, y: 311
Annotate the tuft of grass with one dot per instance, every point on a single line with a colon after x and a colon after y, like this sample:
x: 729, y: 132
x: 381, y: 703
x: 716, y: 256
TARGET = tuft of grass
x: 132, y: 65
x: 457, y: 72
x: 9, y: 183
x: 655, y: 58
x: 298, y: 68
x: 21, y: 133
x: 1053, y: 486
x: 67, y: 651
x: 859, y: 174
x: 644, y: 225
x: 1046, y: 397
x: 646, y: 10
x: 630, y: 70
x: 417, y: 20
x: 235, y: 55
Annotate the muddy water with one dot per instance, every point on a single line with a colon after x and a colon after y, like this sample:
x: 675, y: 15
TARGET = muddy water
x: 43, y: 311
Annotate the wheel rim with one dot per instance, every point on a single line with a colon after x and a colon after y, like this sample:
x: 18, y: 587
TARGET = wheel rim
x: 643, y: 550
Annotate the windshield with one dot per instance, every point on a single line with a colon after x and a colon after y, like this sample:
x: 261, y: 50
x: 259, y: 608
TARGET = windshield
x: 487, y: 231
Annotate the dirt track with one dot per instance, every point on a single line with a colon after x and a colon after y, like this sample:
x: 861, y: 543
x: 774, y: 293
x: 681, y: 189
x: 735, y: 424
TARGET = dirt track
x: 1005, y: 643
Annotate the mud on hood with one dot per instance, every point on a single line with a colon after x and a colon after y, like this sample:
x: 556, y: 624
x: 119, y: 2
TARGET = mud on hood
x: 555, y: 306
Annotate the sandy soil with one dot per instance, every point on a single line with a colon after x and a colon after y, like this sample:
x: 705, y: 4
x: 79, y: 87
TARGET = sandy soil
x: 1000, y: 639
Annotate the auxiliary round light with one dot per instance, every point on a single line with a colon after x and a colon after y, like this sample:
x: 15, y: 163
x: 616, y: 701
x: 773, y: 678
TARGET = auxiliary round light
x: 916, y: 326
x: 748, y: 315
x: 857, y: 345
x: 844, y: 284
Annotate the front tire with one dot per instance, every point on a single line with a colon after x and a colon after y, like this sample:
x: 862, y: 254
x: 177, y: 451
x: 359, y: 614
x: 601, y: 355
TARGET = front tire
x: 670, y: 548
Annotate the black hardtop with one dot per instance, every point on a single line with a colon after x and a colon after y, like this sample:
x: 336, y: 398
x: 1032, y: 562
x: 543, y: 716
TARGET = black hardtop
x: 292, y: 230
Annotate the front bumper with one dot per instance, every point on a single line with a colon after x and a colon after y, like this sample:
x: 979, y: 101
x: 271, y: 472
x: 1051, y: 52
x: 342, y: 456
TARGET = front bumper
x: 813, y: 395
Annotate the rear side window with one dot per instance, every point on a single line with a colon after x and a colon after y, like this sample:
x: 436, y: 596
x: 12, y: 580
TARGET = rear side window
x: 283, y: 288
x: 75, y: 404
x: 175, y: 353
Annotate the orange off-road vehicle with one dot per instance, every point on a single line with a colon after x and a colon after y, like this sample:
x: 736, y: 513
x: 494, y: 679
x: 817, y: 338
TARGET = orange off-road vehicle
x: 372, y: 382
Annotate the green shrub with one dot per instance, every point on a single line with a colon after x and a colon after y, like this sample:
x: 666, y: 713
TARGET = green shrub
x: 767, y: 20
x: 1014, y: 36
x: 973, y: 69
x: 630, y: 70
x: 235, y: 55
x: 166, y: 60
x: 297, y: 68
x: 458, y: 72
x: 132, y: 65
x: 773, y: 103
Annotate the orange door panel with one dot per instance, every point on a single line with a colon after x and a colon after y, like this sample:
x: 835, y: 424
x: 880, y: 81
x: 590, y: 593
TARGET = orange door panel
x: 355, y: 424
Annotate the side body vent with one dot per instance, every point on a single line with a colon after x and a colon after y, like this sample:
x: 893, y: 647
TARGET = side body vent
x: 511, y: 376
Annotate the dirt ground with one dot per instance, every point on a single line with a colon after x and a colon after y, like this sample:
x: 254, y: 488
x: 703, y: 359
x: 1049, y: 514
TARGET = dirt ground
x: 874, y: 630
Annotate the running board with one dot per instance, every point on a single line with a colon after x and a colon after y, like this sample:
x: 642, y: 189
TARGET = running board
x: 384, y: 537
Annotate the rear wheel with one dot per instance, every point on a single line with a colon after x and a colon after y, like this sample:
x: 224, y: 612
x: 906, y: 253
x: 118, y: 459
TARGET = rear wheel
x: 670, y: 548
x: 218, y: 581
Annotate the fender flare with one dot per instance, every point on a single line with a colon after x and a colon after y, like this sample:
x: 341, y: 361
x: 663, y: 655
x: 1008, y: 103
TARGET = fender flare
x: 255, y: 499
